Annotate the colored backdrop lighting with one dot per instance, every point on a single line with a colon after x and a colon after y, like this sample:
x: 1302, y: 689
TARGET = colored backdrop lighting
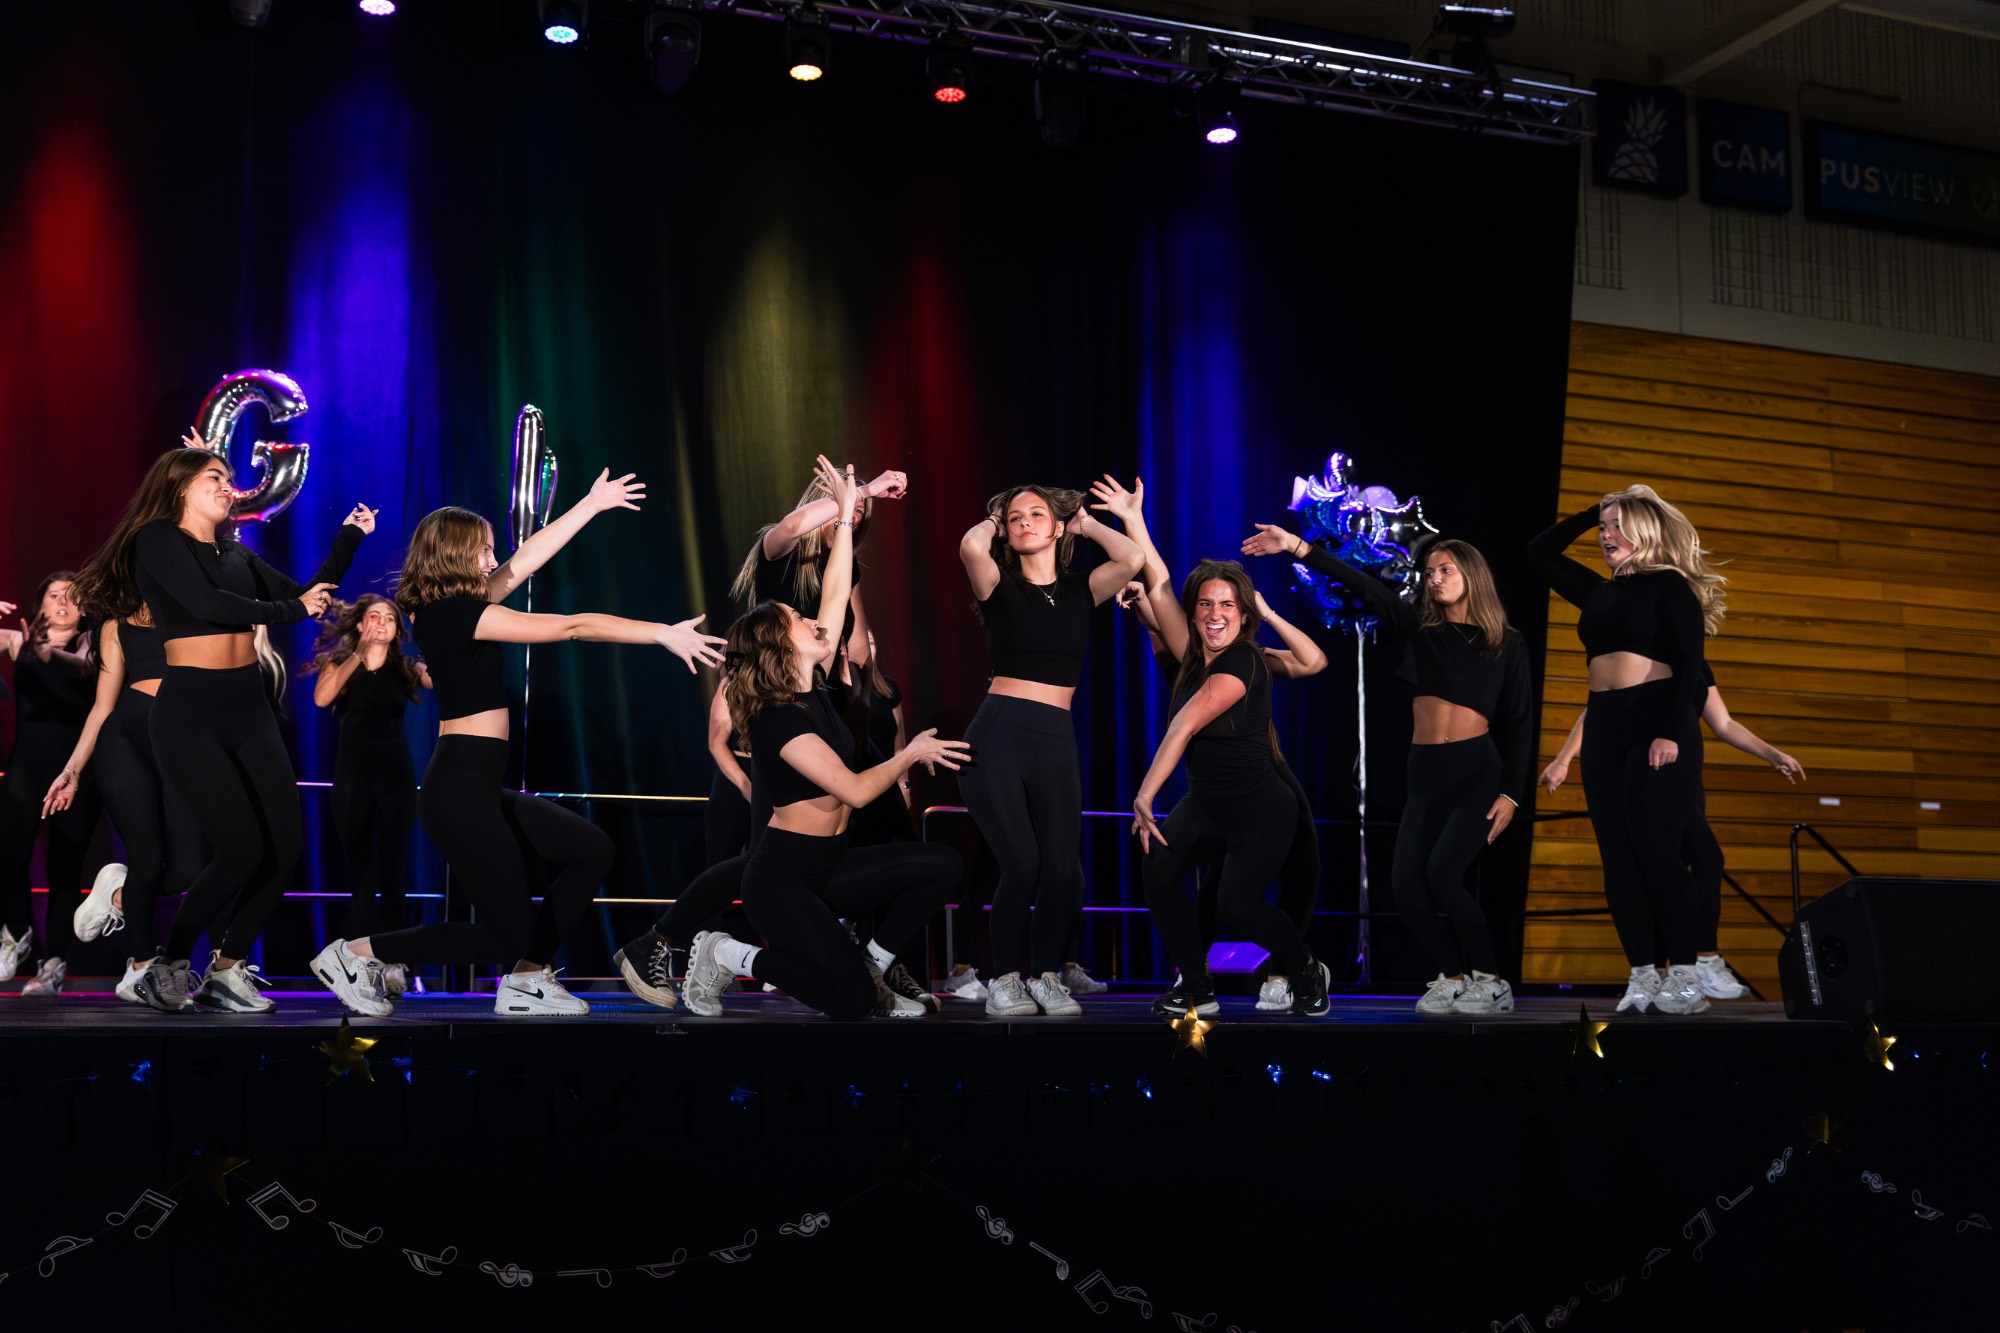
x: 379, y: 8
x: 949, y: 94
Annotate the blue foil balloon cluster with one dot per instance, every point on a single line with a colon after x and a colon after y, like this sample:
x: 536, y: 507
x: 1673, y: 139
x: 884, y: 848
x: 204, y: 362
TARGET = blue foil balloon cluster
x: 1366, y: 526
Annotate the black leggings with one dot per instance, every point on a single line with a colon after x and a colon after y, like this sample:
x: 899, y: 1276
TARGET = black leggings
x: 40, y: 751
x: 795, y: 887
x: 1639, y: 814
x: 216, y: 741
x: 501, y: 845
x: 157, y: 831
x: 1298, y: 877
x: 374, y: 804
x: 1251, y: 838
x: 725, y: 819
x: 1703, y: 855
x: 1025, y: 792
x: 1451, y: 787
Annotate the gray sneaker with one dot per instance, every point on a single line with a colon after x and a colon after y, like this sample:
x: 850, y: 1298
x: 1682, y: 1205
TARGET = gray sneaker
x: 1486, y: 994
x: 1079, y: 982
x: 1053, y: 996
x: 1275, y: 995
x: 706, y: 979
x: 165, y: 986
x: 48, y: 980
x: 233, y: 988
x: 1007, y: 997
x: 1680, y: 992
x: 12, y: 951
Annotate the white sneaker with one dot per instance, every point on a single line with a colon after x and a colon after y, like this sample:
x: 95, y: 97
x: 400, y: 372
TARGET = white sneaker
x: 1079, y: 982
x: 1717, y: 981
x: 128, y: 988
x: 1441, y: 996
x: 1640, y: 990
x: 165, y: 986
x: 1053, y: 996
x: 888, y: 1004
x: 233, y: 988
x: 1681, y: 993
x: 98, y: 914
x: 12, y: 951
x: 395, y: 980
x: 706, y: 979
x: 356, y: 980
x: 1275, y: 994
x: 1008, y: 997
x: 964, y: 985
x: 534, y: 995
x: 47, y: 981
x: 1486, y: 994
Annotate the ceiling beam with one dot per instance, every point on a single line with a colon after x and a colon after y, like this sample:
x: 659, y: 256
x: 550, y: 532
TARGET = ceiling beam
x: 1744, y: 36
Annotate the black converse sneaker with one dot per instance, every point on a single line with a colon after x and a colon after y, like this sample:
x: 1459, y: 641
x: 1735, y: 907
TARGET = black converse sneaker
x: 1198, y: 995
x: 1309, y: 990
x: 899, y: 980
x: 646, y: 964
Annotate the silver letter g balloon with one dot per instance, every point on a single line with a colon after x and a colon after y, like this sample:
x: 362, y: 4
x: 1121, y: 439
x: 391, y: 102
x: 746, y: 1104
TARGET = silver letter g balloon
x: 283, y: 465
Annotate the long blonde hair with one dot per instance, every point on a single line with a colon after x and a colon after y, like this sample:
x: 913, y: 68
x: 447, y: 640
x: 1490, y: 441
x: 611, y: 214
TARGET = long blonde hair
x: 810, y: 555
x: 1663, y: 538
x: 443, y: 559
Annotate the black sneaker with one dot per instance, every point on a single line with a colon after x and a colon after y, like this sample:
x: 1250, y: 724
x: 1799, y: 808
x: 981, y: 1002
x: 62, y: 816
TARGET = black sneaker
x: 1196, y: 995
x: 1309, y: 990
x: 646, y: 964
x: 899, y: 980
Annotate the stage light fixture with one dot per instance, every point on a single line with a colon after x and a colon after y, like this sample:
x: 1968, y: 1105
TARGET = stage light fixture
x: 379, y: 8
x: 806, y: 44
x: 1215, y: 112
x: 1061, y: 96
x: 673, y: 48
x: 1219, y: 127
x: 1487, y: 21
x: 564, y: 21
x: 949, y: 67
x: 250, y: 13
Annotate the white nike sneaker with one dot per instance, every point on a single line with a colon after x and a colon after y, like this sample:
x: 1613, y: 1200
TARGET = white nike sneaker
x: 356, y: 980
x: 1680, y: 992
x: 233, y: 988
x: 888, y: 1004
x: 1486, y: 994
x: 1077, y: 981
x: 1008, y: 997
x: 964, y: 985
x: 1717, y: 981
x: 1275, y: 995
x: 128, y: 988
x: 98, y: 914
x: 12, y: 951
x: 1441, y: 996
x: 1640, y: 990
x: 1053, y: 997
x: 47, y: 981
x: 535, y: 995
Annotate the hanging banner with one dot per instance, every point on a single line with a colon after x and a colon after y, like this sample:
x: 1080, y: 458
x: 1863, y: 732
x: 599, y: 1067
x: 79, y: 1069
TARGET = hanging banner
x: 1746, y: 156
x: 1641, y: 140
x: 1907, y: 184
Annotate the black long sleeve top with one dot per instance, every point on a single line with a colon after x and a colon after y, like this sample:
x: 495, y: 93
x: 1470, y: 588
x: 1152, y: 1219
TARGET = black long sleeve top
x: 1654, y: 613
x: 195, y: 587
x: 1452, y: 662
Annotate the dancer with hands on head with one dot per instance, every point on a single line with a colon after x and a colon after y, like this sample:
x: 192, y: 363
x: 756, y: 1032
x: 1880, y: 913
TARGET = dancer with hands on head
x: 449, y: 585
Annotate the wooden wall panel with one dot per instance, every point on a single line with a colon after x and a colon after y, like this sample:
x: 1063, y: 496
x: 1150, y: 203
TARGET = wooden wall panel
x: 1855, y: 506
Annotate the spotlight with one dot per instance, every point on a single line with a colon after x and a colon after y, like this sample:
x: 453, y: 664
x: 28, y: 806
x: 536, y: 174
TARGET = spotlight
x: 806, y: 44
x: 673, y: 48
x: 1061, y: 98
x: 564, y: 21
x: 379, y: 8
x: 250, y: 13
x: 1219, y: 127
x: 949, y: 67
x: 1215, y: 111
x: 1488, y: 20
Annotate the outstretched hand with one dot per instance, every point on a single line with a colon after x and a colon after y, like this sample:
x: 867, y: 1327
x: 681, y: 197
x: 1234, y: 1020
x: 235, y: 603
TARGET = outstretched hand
x: 691, y: 645
x: 927, y: 749
x: 1270, y: 539
x: 1114, y: 499
x: 621, y: 493
x: 361, y: 516
x: 840, y: 487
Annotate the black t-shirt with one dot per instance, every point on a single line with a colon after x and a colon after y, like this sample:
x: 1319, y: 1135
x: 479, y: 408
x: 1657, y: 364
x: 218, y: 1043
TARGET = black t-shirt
x: 812, y: 713
x: 196, y: 587
x: 48, y: 695
x: 466, y: 673
x: 371, y: 706
x: 1038, y: 631
x: 1229, y: 761
x: 882, y: 719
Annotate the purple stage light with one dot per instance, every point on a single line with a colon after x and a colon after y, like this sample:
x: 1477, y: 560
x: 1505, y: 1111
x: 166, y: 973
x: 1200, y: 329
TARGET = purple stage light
x: 381, y: 9
x: 1221, y: 134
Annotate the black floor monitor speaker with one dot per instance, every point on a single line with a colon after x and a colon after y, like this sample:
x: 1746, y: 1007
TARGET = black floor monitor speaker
x: 1895, y: 948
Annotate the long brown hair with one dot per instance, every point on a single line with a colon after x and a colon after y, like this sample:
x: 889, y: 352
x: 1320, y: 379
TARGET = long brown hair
x: 761, y: 669
x: 1064, y: 505
x: 811, y: 554
x: 341, y: 639
x: 1482, y: 600
x: 86, y: 624
x: 443, y: 559
x: 1194, y: 663
x: 107, y: 586
x: 1663, y: 537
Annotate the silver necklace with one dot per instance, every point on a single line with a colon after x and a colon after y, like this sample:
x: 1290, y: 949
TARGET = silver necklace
x: 1044, y: 592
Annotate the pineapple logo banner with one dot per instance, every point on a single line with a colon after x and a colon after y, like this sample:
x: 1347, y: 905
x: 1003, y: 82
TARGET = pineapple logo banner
x: 1642, y: 138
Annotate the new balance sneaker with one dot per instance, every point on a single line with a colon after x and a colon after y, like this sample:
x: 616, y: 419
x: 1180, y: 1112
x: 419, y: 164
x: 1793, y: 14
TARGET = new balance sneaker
x: 964, y: 985
x: 706, y: 979
x: 1275, y: 995
x: 645, y: 964
x: 99, y: 913
x: 12, y: 951
x: 1309, y: 990
x: 1680, y: 992
x: 1053, y: 997
x: 1008, y: 997
x: 233, y: 988
x: 1717, y: 981
x: 1486, y: 994
x: 909, y: 988
x: 535, y: 995
x: 1185, y: 995
x: 356, y: 980
x: 127, y: 988
x: 1079, y: 982
x: 47, y: 981
x: 1640, y: 991
x: 1441, y: 997
x: 165, y: 986
x: 395, y: 980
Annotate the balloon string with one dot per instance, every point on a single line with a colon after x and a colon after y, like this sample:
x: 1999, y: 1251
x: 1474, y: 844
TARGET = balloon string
x: 527, y: 682
x: 1361, y: 803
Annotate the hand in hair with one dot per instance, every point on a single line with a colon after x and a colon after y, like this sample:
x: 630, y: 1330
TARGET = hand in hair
x: 1270, y: 539
x: 622, y: 493
x: 193, y: 440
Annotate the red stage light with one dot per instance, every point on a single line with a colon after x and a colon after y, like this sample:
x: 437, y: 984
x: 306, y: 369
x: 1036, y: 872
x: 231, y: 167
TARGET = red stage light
x: 948, y: 93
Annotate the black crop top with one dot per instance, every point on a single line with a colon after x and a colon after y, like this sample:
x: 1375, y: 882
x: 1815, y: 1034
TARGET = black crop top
x: 1038, y: 631
x: 811, y: 714
x: 1654, y: 614
x: 1229, y: 761
x: 47, y: 695
x: 195, y: 587
x: 777, y: 580
x: 1449, y: 662
x: 371, y: 706
x: 465, y: 672
x: 145, y: 652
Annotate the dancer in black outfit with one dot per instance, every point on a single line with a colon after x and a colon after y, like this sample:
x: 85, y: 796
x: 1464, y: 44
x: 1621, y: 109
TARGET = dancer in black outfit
x: 53, y: 687
x: 1642, y: 633
x: 362, y: 673
x: 1470, y: 749
x: 214, y: 735
x: 1236, y: 807
x: 1026, y: 794
x: 449, y: 585
x: 725, y: 819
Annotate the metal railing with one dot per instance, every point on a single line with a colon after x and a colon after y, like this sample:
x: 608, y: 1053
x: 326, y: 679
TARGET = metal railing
x: 1831, y: 850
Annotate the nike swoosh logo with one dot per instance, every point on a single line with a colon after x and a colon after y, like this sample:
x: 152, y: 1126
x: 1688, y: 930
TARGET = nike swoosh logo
x: 536, y: 993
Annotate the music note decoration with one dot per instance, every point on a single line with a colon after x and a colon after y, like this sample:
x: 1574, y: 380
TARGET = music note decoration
x: 276, y: 1219
x: 211, y: 1171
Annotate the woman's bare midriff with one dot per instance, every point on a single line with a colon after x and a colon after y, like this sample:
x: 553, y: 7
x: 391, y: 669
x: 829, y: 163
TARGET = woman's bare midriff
x: 1621, y: 671
x: 1055, y: 696
x: 821, y: 817
x: 212, y: 652
x: 1439, y: 721
x: 491, y: 724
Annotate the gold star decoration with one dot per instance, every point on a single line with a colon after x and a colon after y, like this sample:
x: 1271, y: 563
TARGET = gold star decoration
x: 1191, y: 1033
x: 1878, y: 1046
x: 1588, y: 1030
x: 345, y: 1051
x: 211, y: 1171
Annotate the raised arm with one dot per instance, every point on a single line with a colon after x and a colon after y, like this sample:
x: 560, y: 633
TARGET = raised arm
x: 1300, y: 657
x: 333, y: 678
x: 1157, y: 605
x: 166, y: 556
x: 783, y: 536
x: 815, y: 761
x: 541, y: 546
x: 1381, y: 601
x: 498, y: 624
x: 1731, y: 732
x: 1546, y: 555
x: 975, y: 552
x: 110, y: 680
x: 720, y: 729
x: 1217, y: 695
x: 836, y: 581
x: 1122, y: 556
x: 359, y: 523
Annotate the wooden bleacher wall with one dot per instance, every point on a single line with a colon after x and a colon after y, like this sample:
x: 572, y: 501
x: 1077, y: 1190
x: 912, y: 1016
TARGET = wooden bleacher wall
x: 1857, y: 508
